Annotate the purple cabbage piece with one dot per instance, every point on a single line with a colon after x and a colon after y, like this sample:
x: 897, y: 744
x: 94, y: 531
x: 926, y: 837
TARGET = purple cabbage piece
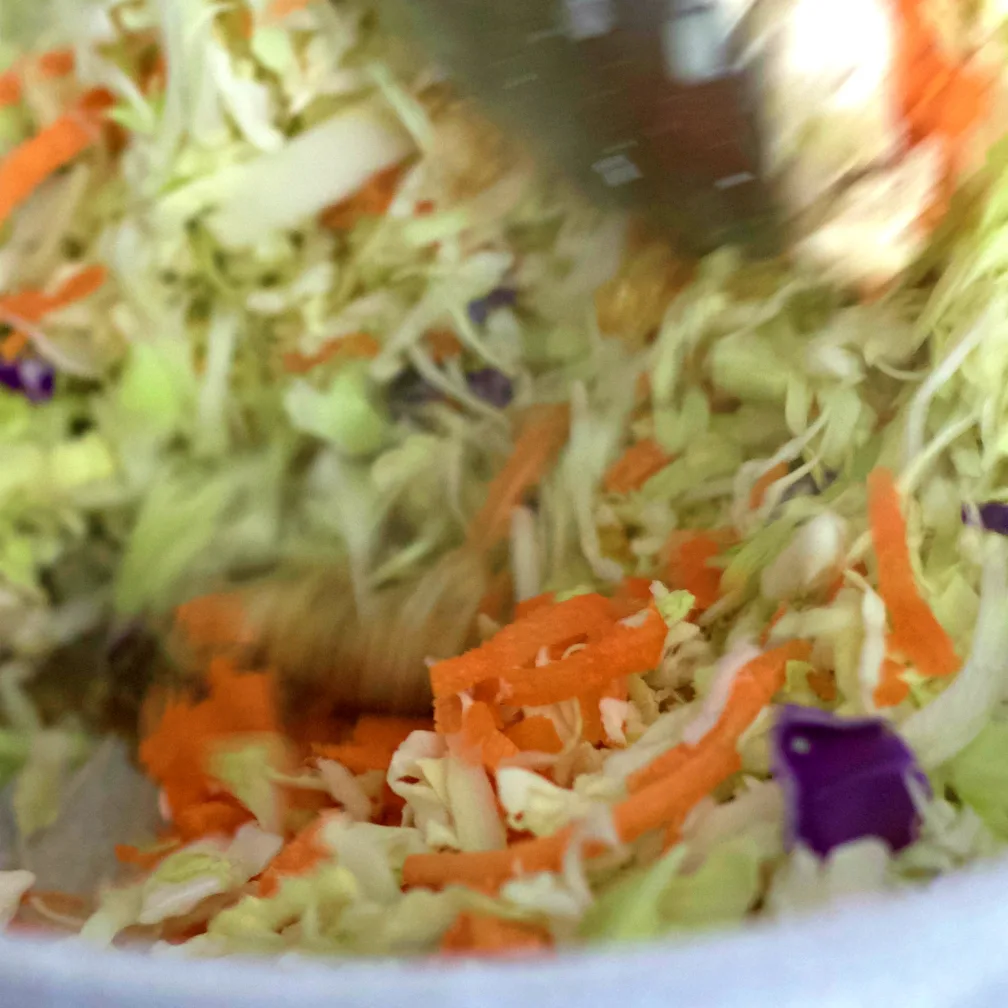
x: 491, y: 386
x: 844, y: 779
x: 499, y: 297
x: 30, y: 375
x: 993, y: 516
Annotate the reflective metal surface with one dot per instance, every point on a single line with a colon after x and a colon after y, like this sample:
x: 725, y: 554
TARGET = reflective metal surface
x: 636, y: 100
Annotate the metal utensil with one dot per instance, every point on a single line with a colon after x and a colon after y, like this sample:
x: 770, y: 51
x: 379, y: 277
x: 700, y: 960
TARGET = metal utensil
x: 643, y: 103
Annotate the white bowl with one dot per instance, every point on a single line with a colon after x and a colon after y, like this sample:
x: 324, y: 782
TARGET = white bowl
x: 943, y: 947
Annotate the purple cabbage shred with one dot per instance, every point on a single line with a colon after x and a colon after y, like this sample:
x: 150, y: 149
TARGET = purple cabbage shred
x: 992, y: 516
x: 499, y: 297
x: 844, y: 779
x: 31, y: 376
x: 491, y: 386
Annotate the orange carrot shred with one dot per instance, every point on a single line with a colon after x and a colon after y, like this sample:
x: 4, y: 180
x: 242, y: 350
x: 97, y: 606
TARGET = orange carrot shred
x: 30, y: 163
x: 277, y: 10
x: 624, y: 650
x: 779, y: 613
x: 823, y: 684
x: 176, y: 752
x: 371, y: 200
x: 355, y: 346
x: 752, y: 690
x: 489, y: 935
x: 689, y: 566
x: 210, y: 817
x: 544, y: 434
x: 916, y: 633
x: 442, y: 344
x: 535, y: 734
x: 481, y: 740
x: 298, y: 857
x: 528, y: 606
x: 10, y: 88
x: 666, y: 800
x: 631, y: 595
x: 387, y: 730
x: 938, y: 97
x: 355, y: 757
x: 760, y: 487
x: 373, y: 742
x: 519, y: 643
x: 31, y: 305
x: 146, y: 858
x: 892, y: 689
x: 635, y: 467
x: 448, y: 714
x: 57, y: 63
x: 592, y: 726
x: 213, y: 621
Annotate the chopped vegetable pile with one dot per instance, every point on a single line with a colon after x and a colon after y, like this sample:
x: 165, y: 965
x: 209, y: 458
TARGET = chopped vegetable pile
x: 274, y: 298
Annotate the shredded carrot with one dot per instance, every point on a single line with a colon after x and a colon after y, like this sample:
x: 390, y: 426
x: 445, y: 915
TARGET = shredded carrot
x: 176, y: 752
x: 298, y: 857
x: 528, y: 606
x: 146, y: 858
x: 355, y: 346
x: 489, y: 935
x: 535, y: 734
x: 442, y: 344
x: 623, y: 651
x: 665, y: 801
x: 10, y: 88
x: 892, y: 689
x: 519, y: 643
x: 57, y: 63
x: 387, y: 730
x: 592, y: 726
x: 213, y: 621
x: 689, y: 555
x: 938, y: 97
x: 356, y: 758
x: 752, y: 690
x: 208, y: 818
x: 31, y: 305
x: 916, y: 633
x: 481, y: 739
x: 277, y: 10
x: 823, y: 684
x: 760, y: 487
x: 49, y: 65
x: 373, y: 742
x: 30, y: 163
x: 371, y: 200
x: 631, y: 595
x: 448, y: 714
x: 635, y: 467
x: 544, y: 433
x: 779, y: 613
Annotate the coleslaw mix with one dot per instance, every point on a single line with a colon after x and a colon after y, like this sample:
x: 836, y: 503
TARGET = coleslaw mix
x: 270, y: 291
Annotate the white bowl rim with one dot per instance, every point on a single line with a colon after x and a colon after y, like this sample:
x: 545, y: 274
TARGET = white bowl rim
x: 943, y: 945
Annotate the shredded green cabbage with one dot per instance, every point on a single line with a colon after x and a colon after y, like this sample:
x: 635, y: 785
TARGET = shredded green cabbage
x: 295, y: 356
